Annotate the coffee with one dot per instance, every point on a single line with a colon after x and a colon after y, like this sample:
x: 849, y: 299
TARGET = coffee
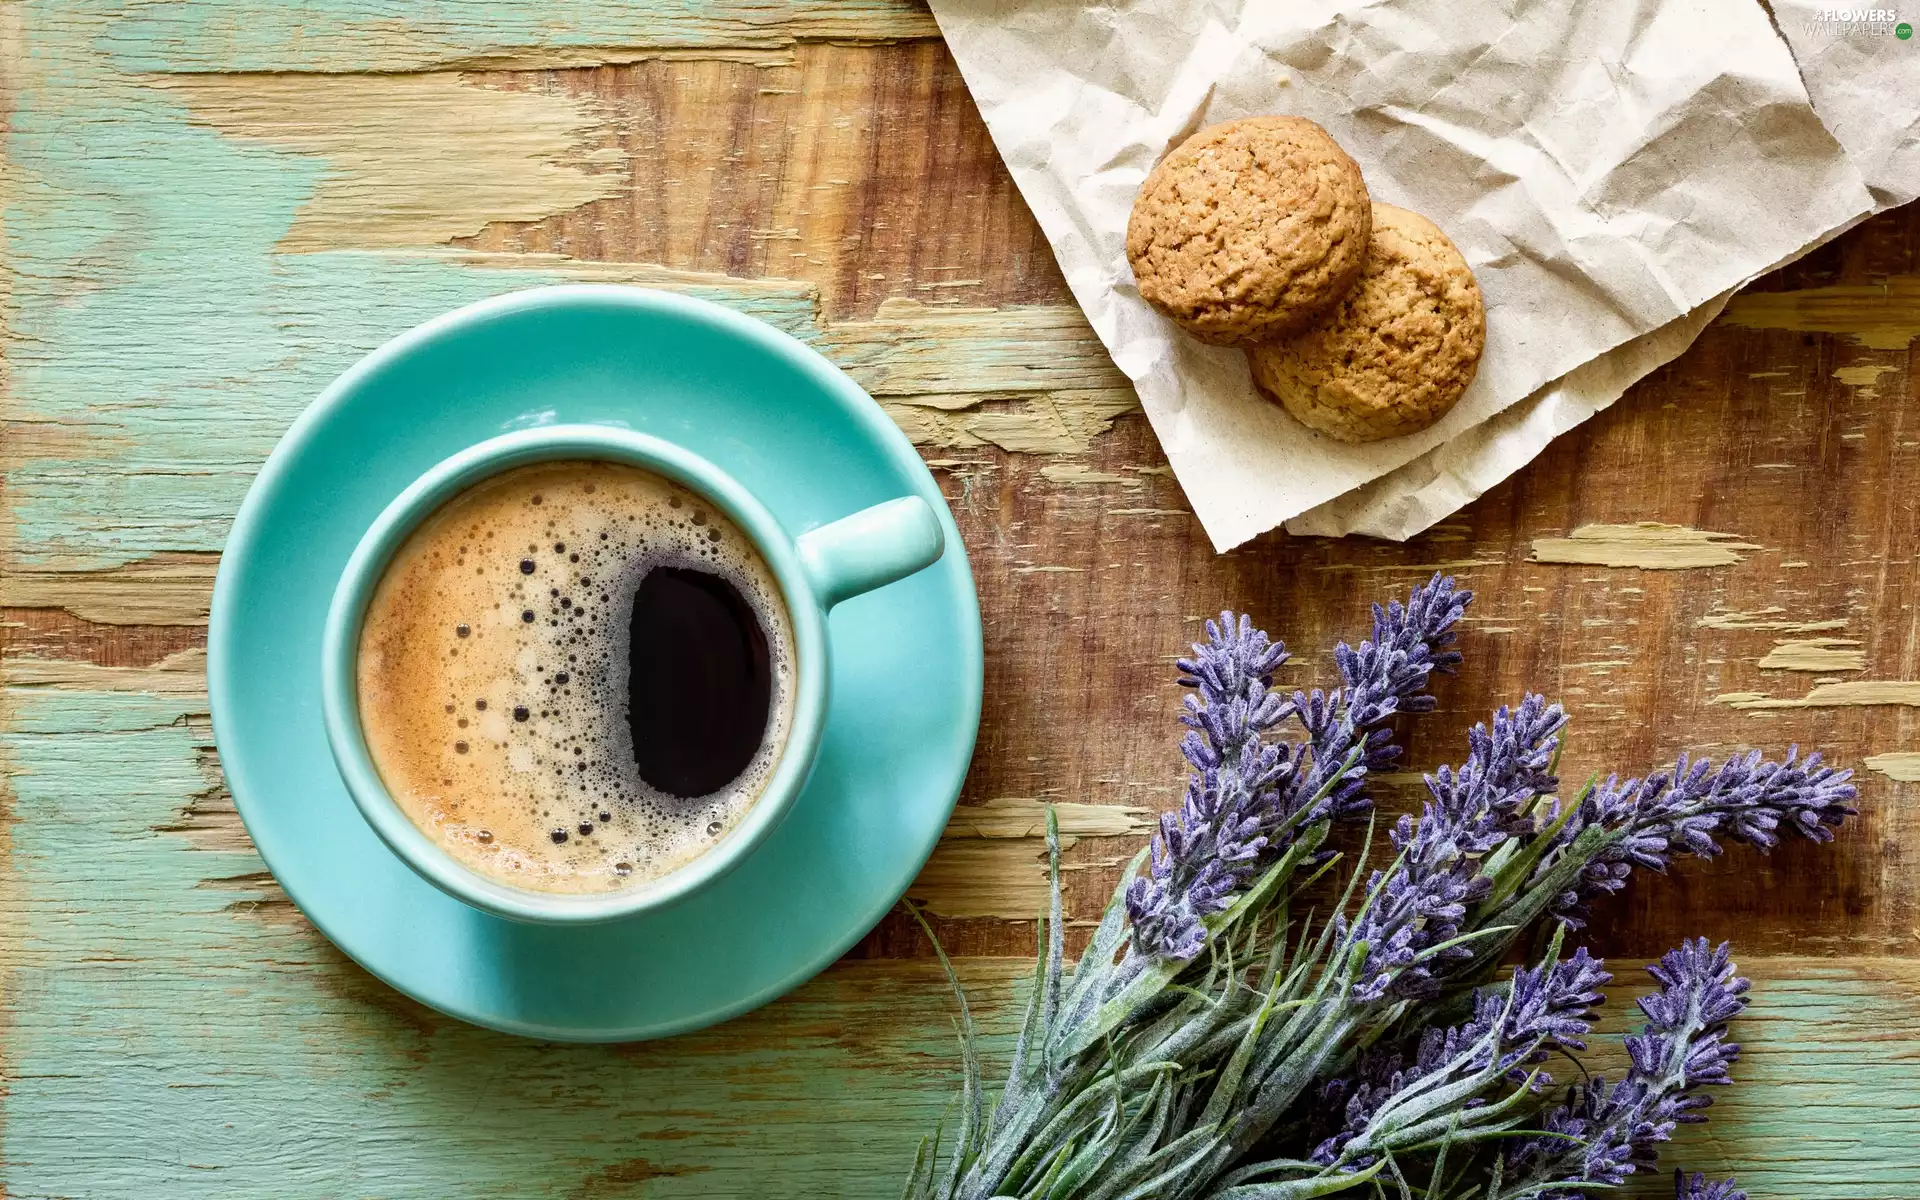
x: 576, y: 676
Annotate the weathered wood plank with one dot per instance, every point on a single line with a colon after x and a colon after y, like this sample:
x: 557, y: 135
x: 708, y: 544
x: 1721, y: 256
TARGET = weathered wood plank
x: 1882, y: 315
x: 232, y: 1051
x: 1822, y: 1102
x: 167, y: 588
x: 308, y: 1077
x: 275, y: 221
x: 517, y: 155
x: 389, y: 35
x: 167, y: 321
x: 818, y: 170
x: 1036, y: 529
x: 162, y: 991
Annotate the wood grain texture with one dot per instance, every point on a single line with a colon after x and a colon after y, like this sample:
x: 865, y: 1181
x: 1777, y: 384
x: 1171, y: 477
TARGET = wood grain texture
x: 520, y: 155
x: 409, y: 35
x: 214, y: 206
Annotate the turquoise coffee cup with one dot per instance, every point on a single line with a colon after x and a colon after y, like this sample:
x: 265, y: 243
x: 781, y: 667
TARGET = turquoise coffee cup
x: 815, y: 571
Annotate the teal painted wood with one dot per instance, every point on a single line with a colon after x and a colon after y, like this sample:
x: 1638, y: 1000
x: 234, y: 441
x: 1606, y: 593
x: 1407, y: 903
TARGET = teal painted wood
x: 154, y: 327
x: 169, y: 1029
x: 168, y: 1036
x: 1825, y: 1103
x: 160, y: 343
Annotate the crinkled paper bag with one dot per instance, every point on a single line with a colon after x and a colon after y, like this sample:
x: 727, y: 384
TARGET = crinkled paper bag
x: 1864, y: 80
x: 1606, y: 169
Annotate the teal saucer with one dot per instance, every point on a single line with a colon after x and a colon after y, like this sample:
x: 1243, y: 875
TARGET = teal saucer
x: 905, y: 685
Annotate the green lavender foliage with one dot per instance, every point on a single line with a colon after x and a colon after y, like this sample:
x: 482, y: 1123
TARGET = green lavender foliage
x: 1204, y: 1063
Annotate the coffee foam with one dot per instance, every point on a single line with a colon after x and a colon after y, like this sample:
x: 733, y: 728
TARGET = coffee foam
x: 493, y: 698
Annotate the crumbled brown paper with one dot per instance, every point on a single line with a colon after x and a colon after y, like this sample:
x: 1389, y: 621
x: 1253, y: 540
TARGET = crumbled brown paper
x: 1457, y: 472
x: 1608, y: 170
x: 1864, y: 80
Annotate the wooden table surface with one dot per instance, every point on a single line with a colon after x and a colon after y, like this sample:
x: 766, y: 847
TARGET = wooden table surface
x: 214, y: 206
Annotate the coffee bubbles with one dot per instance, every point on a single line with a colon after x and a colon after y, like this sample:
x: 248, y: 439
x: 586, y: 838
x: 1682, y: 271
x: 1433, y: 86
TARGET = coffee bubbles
x: 576, y: 676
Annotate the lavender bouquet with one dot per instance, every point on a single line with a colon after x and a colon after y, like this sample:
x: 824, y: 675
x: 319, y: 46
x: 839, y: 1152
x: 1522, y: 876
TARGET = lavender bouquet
x: 1212, y: 1041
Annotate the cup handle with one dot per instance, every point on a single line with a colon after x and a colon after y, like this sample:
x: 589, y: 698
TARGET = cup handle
x: 870, y: 549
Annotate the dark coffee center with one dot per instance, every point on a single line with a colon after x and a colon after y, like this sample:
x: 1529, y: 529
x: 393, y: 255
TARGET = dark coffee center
x: 700, y: 682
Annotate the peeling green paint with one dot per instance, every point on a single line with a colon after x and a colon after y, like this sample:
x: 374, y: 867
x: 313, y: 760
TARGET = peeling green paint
x: 154, y: 325
x: 167, y: 1031
x: 231, y: 1054
x: 166, y: 1040
x: 161, y: 344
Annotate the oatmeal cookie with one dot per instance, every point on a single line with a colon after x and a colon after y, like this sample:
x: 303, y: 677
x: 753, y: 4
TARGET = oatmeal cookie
x: 1250, y: 229
x: 1395, y: 353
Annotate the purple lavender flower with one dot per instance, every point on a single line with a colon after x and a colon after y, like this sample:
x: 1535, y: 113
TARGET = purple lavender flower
x: 1246, y: 799
x: 1386, y: 675
x: 1208, y: 847
x: 1513, y: 761
x: 1680, y: 811
x: 1699, y: 1188
x: 1549, y: 1007
x: 1605, y: 1133
x: 1139, y: 1072
x: 1553, y: 1006
x: 1421, y: 902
